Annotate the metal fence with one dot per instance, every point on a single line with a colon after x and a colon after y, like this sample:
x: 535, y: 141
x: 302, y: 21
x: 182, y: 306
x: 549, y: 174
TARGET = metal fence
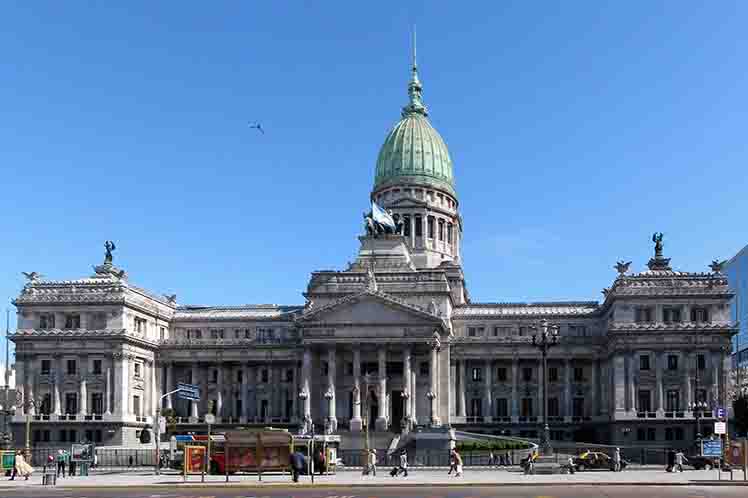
x: 431, y: 458
x: 107, y: 459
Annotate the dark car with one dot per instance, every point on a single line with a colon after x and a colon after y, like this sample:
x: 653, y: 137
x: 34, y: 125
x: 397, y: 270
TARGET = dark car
x: 700, y: 462
x: 591, y: 460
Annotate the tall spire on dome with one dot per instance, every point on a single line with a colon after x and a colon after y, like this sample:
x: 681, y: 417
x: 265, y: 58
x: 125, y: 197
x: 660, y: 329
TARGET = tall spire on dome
x: 415, y: 90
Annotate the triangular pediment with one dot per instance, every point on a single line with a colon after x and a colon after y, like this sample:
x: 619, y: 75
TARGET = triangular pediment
x: 371, y: 308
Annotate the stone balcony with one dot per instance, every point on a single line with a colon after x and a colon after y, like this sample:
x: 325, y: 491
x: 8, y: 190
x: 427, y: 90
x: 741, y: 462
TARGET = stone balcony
x: 85, y: 418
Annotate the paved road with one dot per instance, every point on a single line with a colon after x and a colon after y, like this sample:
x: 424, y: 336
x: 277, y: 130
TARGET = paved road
x: 402, y: 492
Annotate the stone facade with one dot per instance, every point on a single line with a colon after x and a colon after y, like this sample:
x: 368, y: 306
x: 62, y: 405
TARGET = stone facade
x: 392, y: 341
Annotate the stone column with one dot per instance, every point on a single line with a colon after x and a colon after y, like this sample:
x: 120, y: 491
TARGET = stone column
x: 414, y: 396
x: 83, y: 395
x: 406, y: 388
x: 306, y: 387
x: 687, y: 357
x: 488, y: 408
x: 433, y: 393
x: 463, y: 385
x: 193, y: 404
x: 169, y: 374
x: 155, y: 394
x: 244, y: 415
x: 356, y: 422
x: 631, y: 384
x: 716, y: 360
x: 219, y: 394
x: 58, y: 382
x: 381, y: 422
x: 252, y: 394
x: 30, y: 392
x: 594, y: 387
x: 332, y: 418
x: 568, y: 409
x: 515, y: 396
x: 108, y: 395
x: 122, y: 385
x: 660, y: 395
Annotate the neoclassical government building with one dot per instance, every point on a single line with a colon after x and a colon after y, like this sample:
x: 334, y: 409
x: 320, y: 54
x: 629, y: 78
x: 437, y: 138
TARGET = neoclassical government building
x: 392, y: 341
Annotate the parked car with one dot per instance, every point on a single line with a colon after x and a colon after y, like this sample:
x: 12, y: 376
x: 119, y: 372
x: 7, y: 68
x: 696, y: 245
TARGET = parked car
x: 596, y: 460
x: 700, y: 462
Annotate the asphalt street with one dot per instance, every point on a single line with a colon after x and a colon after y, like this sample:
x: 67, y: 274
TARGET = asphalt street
x: 694, y: 491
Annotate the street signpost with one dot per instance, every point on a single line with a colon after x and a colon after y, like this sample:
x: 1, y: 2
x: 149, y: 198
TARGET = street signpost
x: 720, y: 428
x: 188, y: 391
x: 712, y: 447
x: 210, y: 419
x: 720, y: 412
x: 184, y: 391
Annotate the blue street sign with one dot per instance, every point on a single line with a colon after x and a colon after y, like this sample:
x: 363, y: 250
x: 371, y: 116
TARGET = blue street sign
x: 711, y: 447
x: 720, y: 412
x: 188, y: 391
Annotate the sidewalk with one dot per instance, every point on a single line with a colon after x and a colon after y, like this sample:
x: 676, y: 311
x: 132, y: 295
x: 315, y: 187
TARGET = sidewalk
x: 651, y: 476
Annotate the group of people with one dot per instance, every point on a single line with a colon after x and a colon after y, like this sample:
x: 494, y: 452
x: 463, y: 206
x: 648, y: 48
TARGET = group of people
x: 500, y: 460
x: 675, y: 459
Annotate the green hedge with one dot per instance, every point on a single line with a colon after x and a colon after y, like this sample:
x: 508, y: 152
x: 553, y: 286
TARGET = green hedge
x: 491, y: 445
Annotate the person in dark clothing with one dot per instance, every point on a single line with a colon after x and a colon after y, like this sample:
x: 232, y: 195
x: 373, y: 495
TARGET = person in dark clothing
x: 670, y: 461
x: 297, y: 465
x: 321, y: 462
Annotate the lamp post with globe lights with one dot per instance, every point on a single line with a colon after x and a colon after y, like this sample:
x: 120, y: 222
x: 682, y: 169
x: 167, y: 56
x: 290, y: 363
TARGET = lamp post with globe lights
x: 547, y: 338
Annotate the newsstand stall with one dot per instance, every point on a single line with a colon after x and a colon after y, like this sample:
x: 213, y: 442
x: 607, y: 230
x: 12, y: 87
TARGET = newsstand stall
x: 264, y: 451
x: 327, y: 443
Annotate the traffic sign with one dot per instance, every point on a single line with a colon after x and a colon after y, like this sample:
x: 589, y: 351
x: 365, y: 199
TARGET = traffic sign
x: 711, y: 447
x: 720, y: 427
x: 188, y: 391
x: 210, y: 419
x: 720, y: 412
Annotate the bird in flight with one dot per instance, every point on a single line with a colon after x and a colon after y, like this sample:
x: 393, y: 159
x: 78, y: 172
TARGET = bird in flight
x: 257, y: 126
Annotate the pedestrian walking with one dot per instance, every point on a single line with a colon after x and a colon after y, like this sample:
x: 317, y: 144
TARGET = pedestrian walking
x: 452, y: 462
x: 617, y: 460
x: 670, y: 461
x: 20, y: 467
x: 404, y: 463
x: 570, y: 464
x: 297, y: 465
x: 61, y: 457
x: 491, y: 458
x: 321, y: 461
x: 508, y: 458
x: 373, y: 462
x: 680, y: 459
x: 458, y: 464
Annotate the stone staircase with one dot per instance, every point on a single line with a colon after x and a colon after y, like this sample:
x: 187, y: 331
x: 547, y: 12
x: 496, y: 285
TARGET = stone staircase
x: 378, y: 440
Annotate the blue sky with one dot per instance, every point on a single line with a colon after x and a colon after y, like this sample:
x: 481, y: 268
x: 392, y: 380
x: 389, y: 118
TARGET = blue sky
x: 576, y: 130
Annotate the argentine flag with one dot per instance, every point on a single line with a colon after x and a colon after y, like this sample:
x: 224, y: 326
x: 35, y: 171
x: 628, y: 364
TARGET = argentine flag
x: 381, y: 216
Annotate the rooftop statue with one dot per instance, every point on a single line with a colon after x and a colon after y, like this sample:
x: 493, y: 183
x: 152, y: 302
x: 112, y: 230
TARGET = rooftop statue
x: 622, y: 267
x: 657, y: 239
x: 33, y: 276
x: 378, y: 222
x: 717, y: 266
x: 109, y: 246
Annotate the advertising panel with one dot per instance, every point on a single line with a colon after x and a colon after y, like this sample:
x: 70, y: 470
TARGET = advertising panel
x: 81, y: 453
x: 194, y: 459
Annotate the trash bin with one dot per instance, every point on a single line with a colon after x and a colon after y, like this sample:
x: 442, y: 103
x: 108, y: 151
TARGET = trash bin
x: 83, y: 469
x: 49, y: 478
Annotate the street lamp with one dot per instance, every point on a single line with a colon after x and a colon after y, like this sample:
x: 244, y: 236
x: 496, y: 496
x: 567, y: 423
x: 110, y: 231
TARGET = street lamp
x: 364, y: 401
x: 547, y: 339
x: 698, y: 408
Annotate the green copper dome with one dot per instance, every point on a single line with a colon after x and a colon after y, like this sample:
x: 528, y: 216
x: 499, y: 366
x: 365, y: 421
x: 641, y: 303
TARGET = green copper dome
x: 414, y: 152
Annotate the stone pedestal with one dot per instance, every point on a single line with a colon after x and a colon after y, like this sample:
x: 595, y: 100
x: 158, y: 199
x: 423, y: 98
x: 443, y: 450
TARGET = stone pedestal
x: 357, y: 425
x: 381, y: 424
x: 383, y: 253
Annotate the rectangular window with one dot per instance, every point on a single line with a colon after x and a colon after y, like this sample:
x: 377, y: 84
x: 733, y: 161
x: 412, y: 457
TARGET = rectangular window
x: 644, y: 401
x: 527, y: 374
x: 577, y: 407
x: 240, y: 376
x: 423, y: 369
x: 162, y: 333
x: 701, y: 395
x: 668, y: 434
x: 419, y: 226
x: 699, y: 315
x: 671, y: 314
x: 97, y: 403
x: 477, y: 374
x: 553, y: 407
x: 501, y: 374
x: 672, y: 362
x: 136, y: 405
x: 441, y: 230
x: 97, y: 436
x: 679, y: 434
x: 349, y: 368
x: 71, y: 403
x: 97, y: 367
x: 577, y: 330
x: 502, y: 407
x: 643, y: 314
x: 46, y: 364
x: 238, y: 405
x: 325, y: 368
x: 47, y: 321
x: 552, y: 374
x: 641, y: 434
x: 140, y: 324
x: 289, y: 375
x: 72, y: 364
x: 449, y: 233
x: 406, y: 225
x: 524, y: 331
x: 651, y: 434
x: 72, y: 321
x: 63, y: 436
x: 673, y: 400
x: 46, y: 436
x: 266, y: 375
x: 46, y: 404
x: 526, y: 407
x: 215, y: 376
x: 136, y: 367
x: 578, y: 374
x: 430, y: 221
x: 472, y: 332
x: 644, y: 362
x: 701, y: 362
x: 216, y: 333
